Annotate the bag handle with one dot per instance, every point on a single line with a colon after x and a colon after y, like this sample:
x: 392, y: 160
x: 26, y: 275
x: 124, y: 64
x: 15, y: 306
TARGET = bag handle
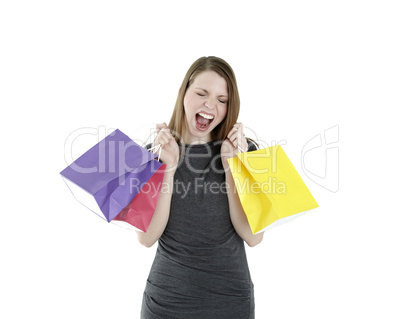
x: 242, y: 151
x: 156, y: 148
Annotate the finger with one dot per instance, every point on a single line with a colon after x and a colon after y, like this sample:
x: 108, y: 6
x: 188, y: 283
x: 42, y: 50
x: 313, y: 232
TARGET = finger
x: 240, y: 136
x: 162, y: 139
x: 239, y: 127
x: 162, y: 125
x: 233, y: 131
x: 235, y: 136
x: 242, y: 142
x: 232, y: 138
x: 227, y: 148
x: 165, y: 141
x: 166, y: 132
x: 235, y: 142
x: 158, y: 127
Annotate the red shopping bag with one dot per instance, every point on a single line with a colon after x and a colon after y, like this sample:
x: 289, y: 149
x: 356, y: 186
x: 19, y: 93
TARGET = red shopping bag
x: 140, y: 211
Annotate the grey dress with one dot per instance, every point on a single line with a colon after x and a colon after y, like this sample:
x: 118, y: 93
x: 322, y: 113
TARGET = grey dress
x: 200, y: 268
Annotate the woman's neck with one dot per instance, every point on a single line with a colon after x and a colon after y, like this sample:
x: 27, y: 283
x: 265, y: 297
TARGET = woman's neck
x: 188, y: 139
x: 191, y: 139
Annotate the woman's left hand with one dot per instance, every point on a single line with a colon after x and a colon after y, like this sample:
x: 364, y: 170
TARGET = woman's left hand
x: 230, y: 145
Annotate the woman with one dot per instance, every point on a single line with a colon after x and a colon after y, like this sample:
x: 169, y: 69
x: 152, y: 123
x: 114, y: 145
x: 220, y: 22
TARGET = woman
x: 200, y: 268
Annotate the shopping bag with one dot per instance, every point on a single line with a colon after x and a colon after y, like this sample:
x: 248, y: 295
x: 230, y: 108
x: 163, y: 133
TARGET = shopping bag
x: 138, y: 214
x: 105, y: 179
x: 270, y: 189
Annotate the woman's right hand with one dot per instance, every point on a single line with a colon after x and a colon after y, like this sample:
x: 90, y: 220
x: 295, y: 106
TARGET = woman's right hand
x: 170, y: 148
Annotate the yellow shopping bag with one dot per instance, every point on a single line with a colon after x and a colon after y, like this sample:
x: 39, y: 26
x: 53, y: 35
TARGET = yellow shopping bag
x: 269, y: 187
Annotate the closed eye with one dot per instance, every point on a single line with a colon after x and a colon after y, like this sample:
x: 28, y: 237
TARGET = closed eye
x: 221, y: 101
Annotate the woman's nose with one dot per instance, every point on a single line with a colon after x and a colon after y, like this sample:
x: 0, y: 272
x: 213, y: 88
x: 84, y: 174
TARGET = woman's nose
x: 209, y: 103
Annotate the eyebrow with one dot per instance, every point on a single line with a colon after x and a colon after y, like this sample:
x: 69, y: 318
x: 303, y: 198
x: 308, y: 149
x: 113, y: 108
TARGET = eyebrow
x: 222, y: 95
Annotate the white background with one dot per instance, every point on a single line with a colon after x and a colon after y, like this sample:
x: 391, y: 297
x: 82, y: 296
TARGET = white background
x: 302, y: 67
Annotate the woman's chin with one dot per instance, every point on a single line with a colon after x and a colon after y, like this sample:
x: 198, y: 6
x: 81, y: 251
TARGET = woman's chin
x: 197, y: 133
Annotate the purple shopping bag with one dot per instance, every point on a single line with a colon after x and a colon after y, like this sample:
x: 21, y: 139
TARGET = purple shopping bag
x: 107, y: 177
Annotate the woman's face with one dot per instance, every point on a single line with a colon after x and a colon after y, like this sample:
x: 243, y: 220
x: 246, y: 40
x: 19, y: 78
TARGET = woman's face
x: 205, y: 106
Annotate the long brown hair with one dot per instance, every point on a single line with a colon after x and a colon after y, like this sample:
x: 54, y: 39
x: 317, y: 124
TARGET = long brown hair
x: 177, y: 123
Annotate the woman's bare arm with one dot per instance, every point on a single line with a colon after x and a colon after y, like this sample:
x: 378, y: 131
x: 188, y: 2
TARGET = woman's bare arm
x: 161, y: 214
x: 237, y: 215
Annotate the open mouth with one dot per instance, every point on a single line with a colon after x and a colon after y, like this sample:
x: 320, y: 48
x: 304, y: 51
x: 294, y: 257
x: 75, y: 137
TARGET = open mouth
x: 203, y: 120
